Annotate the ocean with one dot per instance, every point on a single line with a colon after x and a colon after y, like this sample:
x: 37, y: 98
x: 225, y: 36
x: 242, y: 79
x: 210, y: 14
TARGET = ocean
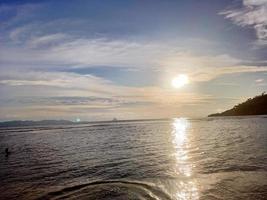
x: 209, y: 158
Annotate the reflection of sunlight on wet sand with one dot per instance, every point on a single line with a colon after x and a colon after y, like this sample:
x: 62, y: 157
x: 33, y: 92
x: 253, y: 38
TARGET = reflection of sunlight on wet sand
x: 187, y: 188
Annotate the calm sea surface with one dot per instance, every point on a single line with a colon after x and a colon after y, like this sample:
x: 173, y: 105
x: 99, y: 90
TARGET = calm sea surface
x: 212, y: 158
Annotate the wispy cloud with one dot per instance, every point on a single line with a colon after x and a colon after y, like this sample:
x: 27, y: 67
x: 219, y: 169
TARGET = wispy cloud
x: 47, y: 40
x: 58, y: 49
x: 61, y: 94
x: 63, y: 50
x: 252, y: 14
x: 18, y: 13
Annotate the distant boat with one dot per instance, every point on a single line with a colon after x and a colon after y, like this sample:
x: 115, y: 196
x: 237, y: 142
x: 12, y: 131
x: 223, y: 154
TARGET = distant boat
x: 114, y: 119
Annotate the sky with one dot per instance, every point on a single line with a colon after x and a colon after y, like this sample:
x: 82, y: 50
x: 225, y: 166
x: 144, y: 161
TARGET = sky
x: 96, y: 60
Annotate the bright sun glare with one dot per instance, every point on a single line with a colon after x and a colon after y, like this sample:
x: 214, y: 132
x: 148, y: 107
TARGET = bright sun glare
x: 180, y: 81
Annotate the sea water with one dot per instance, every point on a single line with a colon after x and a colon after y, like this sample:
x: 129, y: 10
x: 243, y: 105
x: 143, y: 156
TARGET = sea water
x: 209, y: 158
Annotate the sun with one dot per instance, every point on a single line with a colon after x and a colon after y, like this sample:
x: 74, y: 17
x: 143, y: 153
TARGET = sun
x: 180, y: 80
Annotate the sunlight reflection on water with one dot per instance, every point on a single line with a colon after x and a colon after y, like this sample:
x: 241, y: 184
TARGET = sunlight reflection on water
x: 187, y: 189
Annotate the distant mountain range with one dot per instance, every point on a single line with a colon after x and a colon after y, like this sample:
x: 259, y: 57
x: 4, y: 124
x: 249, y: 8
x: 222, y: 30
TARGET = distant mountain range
x: 35, y: 123
x: 20, y: 123
x: 254, y: 106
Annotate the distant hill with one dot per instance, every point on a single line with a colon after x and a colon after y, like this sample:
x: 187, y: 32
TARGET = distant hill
x: 254, y: 106
x: 22, y: 123
x: 35, y: 123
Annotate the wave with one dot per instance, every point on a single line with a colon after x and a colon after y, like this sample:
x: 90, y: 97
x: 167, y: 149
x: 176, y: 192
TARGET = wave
x: 104, y: 189
x: 234, y: 169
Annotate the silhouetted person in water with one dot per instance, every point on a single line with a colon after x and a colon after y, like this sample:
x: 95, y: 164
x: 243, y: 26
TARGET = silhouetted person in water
x: 7, y: 152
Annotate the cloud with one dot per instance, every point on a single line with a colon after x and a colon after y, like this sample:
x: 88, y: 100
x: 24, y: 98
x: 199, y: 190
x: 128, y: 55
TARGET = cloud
x: 56, y: 95
x: 59, y: 49
x: 205, y: 68
x: 33, y: 46
x: 65, y: 51
x: 17, y: 13
x: 18, y: 34
x: 51, y: 39
x: 70, y: 89
x: 88, y: 84
x: 212, y: 74
x: 252, y: 14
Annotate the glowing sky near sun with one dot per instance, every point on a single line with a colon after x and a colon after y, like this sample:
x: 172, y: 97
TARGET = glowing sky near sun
x: 180, y: 81
x: 95, y: 60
